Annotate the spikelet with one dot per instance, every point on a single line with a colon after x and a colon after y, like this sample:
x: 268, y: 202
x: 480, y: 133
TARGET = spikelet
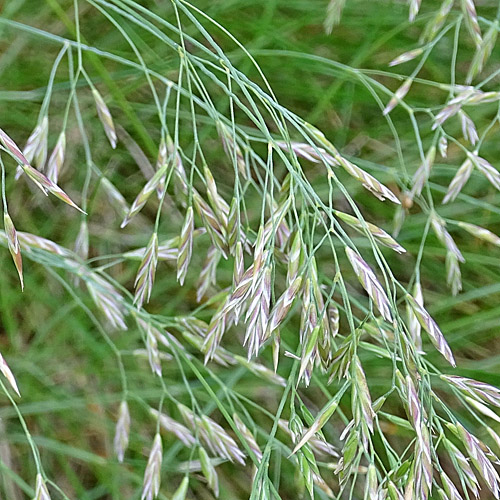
x: 453, y: 274
x: 431, y: 327
x: 178, y: 430
x: 468, y: 128
x: 247, y: 436
x: 35, y: 150
x: 160, y: 162
x: 233, y: 225
x: 283, y: 305
x: 370, y: 283
x: 406, y: 56
x: 479, y: 390
x: 181, y: 491
x: 443, y: 146
x: 115, y: 197
x: 361, y: 400
x: 144, y: 194
x: 7, y: 373
x: 398, y: 96
x: 414, y: 8
x: 12, y: 147
x: 423, y: 172
x: 146, y: 273
x: 122, y: 431
x: 47, y: 186
x: 218, y: 203
x: 471, y: 21
x: 185, y: 246
x: 438, y: 225
x: 108, y: 300
x: 212, y: 224
x: 378, y: 233
x: 209, y: 472
x: 208, y: 273
x: 481, y: 233
x: 459, y: 181
x: 14, y: 248
x: 483, y: 52
x: 41, y: 491
x: 464, y: 469
x: 152, y: 474
x: 56, y: 159
x: 433, y: 27
x: 368, y: 181
x: 231, y: 148
x: 333, y: 14
x: 105, y: 117
x: 488, y: 170
x: 413, y: 323
x: 82, y: 241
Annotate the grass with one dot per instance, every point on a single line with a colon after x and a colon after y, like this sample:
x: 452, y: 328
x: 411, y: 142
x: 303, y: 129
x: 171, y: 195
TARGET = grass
x: 227, y: 89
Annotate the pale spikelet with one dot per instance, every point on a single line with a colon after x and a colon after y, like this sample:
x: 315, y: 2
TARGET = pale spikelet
x: 247, y: 436
x: 423, y: 172
x: 463, y: 467
x: 152, y: 474
x: 294, y: 258
x: 333, y: 14
x: 218, y: 441
x: 211, y: 223
x: 56, y: 159
x: 310, y: 153
x: 208, y: 273
x: 471, y: 21
x: 209, y: 472
x: 29, y: 240
x: 35, y: 150
x: 161, y: 160
x: 431, y: 327
x: 414, y: 8
x: 108, y: 300
x: 170, y: 425
x: 443, y: 146
x: 82, y: 241
x: 257, y: 316
x: 321, y: 419
x: 260, y: 370
x: 146, y: 273
x: 231, y: 148
x: 181, y: 491
x: 468, y: 128
x: 122, y: 431
x: 362, y: 402
x: 214, y: 335
x: 481, y: 233
x: 433, y: 27
x: 398, y: 96
x: 483, y: 52
x: 153, y: 352
x: 368, y: 181
x: 233, y: 225
x: 185, y: 246
x: 370, y: 283
x: 334, y: 319
x: 459, y: 181
x: 406, y: 56
x: 378, y: 233
x: 144, y: 194
x: 7, y: 373
x: 479, y: 459
x: 14, y: 248
x: 438, y: 225
x: 371, y: 483
x: 41, y: 491
x: 413, y: 323
x: 488, y: 170
x: 283, y: 305
x: 453, y: 274
x: 218, y: 203
x: 450, y: 489
x: 479, y: 390
x: 105, y: 117
x: 47, y: 186
x: 12, y: 147
x: 115, y: 197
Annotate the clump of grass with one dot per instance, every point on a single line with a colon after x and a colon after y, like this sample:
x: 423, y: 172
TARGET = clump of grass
x: 273, y: 330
